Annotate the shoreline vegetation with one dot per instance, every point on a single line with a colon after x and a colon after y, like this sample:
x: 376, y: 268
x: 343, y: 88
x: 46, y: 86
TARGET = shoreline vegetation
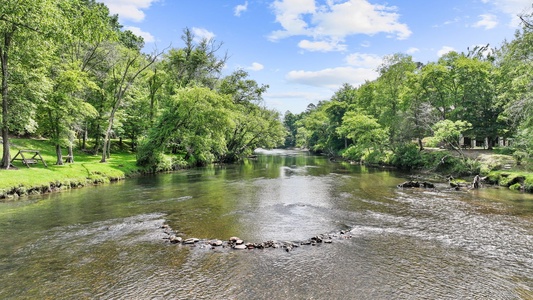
x: 497, y: 169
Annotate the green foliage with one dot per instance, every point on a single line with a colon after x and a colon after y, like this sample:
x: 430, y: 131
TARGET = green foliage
x: 407, y: 156
x: 515, y: 187
x: 353, y: 153
x: 449, y: 132
x: 519, y: 156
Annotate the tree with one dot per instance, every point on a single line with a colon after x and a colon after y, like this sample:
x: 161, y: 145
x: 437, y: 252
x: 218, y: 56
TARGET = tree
x: 417, y: 113
x: 129, y: 65
x: 393, y: 75
x: 365, y: 131
x: 22, y: 23
x: 196, y: 63
x: 515, y: 95
x: 182, y: 128
x: 449, y: 132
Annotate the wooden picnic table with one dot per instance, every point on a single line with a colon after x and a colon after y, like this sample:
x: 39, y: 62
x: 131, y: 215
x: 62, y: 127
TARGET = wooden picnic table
x: 29, y: 161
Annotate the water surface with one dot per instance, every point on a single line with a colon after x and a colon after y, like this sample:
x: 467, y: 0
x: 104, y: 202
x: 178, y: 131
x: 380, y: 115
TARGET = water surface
x: 106, y: 242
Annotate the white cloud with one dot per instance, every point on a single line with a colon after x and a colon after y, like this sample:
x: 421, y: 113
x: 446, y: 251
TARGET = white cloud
x: 335, y: 20
x: 513, y: 8
x: 332, y: 78
x: 202, y: 33
x: 321, y: 46
x: 412, y: 50
x: 363, y: 60
x: 487, y: 21
x: 444, y: 50
x: 148, y: 38
x: 128, y: 9
x: 239, y: 9
x: 256, y: 67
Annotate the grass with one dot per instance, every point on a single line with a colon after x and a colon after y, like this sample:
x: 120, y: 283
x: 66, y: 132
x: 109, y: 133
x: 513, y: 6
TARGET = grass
x: 85, y: 170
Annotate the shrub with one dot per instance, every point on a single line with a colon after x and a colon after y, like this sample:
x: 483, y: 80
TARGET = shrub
x: 516, y: 187
x: 407, y: 157
x: 528, y: 184
x: 519, y: 156
x: 353, y: 153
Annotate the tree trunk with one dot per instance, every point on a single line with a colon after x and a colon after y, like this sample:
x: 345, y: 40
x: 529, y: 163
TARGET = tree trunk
x: 420, y: 145
x: 59, y: 161
x: 84, y: 139
x: 70, y: 158
x: 107, y: 132
x: 6, y: 155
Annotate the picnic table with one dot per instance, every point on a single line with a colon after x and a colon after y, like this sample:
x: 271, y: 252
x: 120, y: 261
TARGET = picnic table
x: 29, y: 161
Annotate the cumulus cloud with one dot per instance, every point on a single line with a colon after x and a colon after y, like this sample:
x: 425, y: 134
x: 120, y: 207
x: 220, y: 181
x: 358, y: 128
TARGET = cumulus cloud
x: 370, y: 61
x: 321, y: 46
x: 487, y: 21
x: 202, y: 33
x: 148, y: 38
x: 444, y: 50
x: 332, y: 78
x: 335, y: 20
x: 412, y: 50
x: 239, y: 9
x: 513, y: 8
x: 256, y: 67
x: 131, y: 10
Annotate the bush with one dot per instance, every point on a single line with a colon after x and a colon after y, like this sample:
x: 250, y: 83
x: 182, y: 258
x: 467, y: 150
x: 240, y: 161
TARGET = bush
x: 515, y: 187
x: 374, y: 157
x: 353, y: 153
x: 444, y: 162
x: 407, y: 157
x: 519, y: 156
x: 528, y: 184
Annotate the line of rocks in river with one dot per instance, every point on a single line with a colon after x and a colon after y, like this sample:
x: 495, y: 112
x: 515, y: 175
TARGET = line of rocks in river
x: 238, y: 244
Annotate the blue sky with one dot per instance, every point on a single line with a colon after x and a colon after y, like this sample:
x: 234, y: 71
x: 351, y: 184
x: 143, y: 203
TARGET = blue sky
x: 306, y: 49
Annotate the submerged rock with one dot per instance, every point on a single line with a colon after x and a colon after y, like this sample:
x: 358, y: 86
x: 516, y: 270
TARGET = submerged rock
x: 416, y: 184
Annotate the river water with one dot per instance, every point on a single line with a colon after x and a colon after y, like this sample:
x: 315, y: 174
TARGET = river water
x: 106, y: 242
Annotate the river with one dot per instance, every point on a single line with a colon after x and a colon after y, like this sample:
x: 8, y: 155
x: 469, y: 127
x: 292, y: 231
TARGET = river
x: 107, y: 242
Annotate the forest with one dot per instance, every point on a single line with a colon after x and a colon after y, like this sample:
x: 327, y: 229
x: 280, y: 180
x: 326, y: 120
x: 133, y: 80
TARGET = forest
x: 481, y: 98
x: 72, y: 75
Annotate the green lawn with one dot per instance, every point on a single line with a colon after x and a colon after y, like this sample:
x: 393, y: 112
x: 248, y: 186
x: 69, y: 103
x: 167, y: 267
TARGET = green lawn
x: 86, y: 168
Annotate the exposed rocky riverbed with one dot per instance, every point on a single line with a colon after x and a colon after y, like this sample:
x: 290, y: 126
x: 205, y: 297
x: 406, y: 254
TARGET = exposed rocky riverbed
x: 236, y: 243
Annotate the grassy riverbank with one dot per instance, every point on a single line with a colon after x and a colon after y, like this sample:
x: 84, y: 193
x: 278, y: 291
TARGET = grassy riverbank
x: 86, y: 170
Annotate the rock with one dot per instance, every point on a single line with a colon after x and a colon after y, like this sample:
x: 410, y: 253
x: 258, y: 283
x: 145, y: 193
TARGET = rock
x: 239, y: 242
x: 328, y: 241
x: 416, y: 184
x: 233, y: 239
x: 250, y: 246
x: 175, y: 239
x: 191, y: 241
x: 239, y: 247
x: 216, y: 243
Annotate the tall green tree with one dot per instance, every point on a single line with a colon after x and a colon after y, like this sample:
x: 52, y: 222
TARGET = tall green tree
x: 196, y: 63
x: 26, y: 24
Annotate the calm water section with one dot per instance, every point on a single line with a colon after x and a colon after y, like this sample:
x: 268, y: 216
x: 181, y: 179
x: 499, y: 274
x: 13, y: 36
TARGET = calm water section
x: 105, y: 242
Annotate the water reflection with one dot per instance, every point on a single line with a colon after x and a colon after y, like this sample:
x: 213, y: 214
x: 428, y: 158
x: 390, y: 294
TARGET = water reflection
x: 104, y: 242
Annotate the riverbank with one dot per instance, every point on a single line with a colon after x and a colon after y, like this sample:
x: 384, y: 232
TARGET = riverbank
x: 39, y: 179
x: 498, y: 169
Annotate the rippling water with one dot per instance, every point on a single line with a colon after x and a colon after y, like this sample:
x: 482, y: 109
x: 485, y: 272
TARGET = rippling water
x: 106, y: 242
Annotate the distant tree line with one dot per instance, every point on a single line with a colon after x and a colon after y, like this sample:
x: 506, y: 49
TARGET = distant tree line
x: 484, y: 94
